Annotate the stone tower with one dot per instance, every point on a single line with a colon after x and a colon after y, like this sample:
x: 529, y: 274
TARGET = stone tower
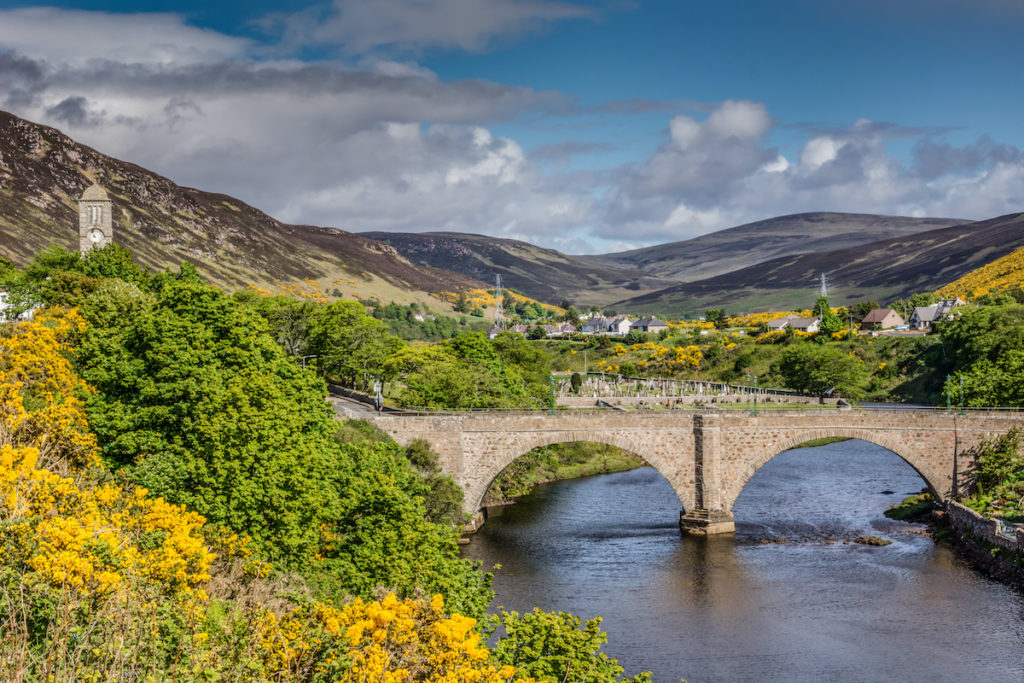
x: 95, y: 224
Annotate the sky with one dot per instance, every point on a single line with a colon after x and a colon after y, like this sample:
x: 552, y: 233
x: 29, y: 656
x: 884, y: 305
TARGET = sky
x: 585, y: 126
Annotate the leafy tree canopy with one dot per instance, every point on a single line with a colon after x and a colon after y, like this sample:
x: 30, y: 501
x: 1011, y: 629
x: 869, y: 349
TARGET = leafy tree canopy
x: 816, y: 369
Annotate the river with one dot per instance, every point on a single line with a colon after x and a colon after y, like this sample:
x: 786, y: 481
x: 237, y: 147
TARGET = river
x: 736, y: 608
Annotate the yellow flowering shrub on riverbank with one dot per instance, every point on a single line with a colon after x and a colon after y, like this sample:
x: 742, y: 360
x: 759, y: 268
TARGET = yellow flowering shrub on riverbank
x: 387, y: 640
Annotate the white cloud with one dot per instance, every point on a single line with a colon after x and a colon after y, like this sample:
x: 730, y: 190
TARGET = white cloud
x: 739, y: 119
x: 684, y: 130
x: 819, y: 151
x: 779, y: 165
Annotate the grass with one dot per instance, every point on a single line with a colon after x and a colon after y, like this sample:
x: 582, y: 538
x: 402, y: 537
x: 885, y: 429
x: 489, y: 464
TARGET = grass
x: 556, y: 463
x: 821, y: 442
x: 912, y: 507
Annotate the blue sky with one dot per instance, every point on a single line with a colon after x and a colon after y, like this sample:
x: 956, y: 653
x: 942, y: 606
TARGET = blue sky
x: 585, y: 126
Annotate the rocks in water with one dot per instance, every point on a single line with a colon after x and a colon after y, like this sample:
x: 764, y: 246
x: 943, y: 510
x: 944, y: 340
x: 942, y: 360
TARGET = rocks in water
x: 887, y: 492
x: 871, y: 540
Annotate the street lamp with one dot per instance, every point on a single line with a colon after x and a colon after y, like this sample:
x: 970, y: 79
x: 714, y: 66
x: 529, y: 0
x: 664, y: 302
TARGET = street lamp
x: 551, y: 398
x: 304, y: 360
x: 961, y: 394
x: 754, y: 412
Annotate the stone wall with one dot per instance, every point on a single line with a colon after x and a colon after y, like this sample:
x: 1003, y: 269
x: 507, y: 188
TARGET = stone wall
x: 590, y: 401
x: 965, y: 520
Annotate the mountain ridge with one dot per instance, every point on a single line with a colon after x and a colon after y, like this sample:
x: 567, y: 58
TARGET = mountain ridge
x: 882, y: 270
x: 544, y: 274
x: 727, y: 250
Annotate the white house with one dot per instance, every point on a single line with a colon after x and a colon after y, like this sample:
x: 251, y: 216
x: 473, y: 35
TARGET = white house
x: 619, y: 326
x: 7, y: 314
x: 924, y: 316
x: 805, y: 324
x: 781, y: 323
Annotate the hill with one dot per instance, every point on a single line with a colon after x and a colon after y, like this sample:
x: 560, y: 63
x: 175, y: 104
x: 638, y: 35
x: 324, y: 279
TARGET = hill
x: 734, y: 248
x: 883, y: 270
x: 1005, y: 272
x: 544, y: 274
x: 42, y: 172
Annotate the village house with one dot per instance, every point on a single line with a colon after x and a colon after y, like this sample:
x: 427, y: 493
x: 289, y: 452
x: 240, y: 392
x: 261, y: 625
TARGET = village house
x: 881, y: 319
x: 794, y: 321
x: 924, y: 317
x: 7, y: 311
x: 805, y: 324
x: 595, y: 325
x: 650, y: 325
x: 620, y: 326
x: 781, y: 323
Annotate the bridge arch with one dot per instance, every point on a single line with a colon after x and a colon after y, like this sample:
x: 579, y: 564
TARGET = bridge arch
x: 757, y: 457
x: 679, y: 477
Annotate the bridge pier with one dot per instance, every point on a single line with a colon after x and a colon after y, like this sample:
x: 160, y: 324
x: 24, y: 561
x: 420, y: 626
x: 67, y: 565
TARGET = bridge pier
x: 701, y: 522
x: 709, y: 516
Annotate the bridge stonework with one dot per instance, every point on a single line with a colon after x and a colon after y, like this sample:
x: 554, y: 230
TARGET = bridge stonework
x: 707, y: 457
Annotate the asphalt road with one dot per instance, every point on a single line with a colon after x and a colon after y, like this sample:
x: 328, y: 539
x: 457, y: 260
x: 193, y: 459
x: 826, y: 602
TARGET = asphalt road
x: 347, y: 409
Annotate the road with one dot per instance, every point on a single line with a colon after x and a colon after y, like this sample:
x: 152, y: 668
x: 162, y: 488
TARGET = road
x: 348, y: 409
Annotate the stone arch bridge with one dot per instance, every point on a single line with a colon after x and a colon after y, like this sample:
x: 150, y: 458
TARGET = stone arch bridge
x: 707, y: 457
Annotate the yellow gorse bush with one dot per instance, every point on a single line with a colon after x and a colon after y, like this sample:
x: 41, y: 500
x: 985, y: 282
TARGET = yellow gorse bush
x: 96, y: 539
x: 386, y: 641
x: 87, y: 537
x: 1003, y: 273
x: 40, y: 395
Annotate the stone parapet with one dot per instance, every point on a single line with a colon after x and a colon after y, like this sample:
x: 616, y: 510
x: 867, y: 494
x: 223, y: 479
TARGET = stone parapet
x: 966, y: 520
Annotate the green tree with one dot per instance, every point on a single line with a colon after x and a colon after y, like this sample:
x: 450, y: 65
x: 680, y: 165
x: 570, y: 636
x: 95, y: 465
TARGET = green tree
x: 461, y: 303
x: 196, y: 403
x: 350, y: 345
x: 571, y: 315
x: 861, y: 309
x: 829, y: 321
x: 558, y: 647
x: 816, y: 369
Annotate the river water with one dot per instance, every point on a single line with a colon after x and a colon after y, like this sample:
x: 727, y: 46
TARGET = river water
x: 743, y: 609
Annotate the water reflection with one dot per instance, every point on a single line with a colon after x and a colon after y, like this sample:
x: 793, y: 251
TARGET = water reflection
x: 741, y: 608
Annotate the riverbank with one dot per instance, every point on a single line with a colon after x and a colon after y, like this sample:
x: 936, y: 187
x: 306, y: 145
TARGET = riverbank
x: 978, y: 540
x: 973, y: 537
x: 558, y: 462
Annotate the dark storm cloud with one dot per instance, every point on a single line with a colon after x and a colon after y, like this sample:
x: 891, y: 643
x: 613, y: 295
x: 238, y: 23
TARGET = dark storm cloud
x: 71, y: 110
